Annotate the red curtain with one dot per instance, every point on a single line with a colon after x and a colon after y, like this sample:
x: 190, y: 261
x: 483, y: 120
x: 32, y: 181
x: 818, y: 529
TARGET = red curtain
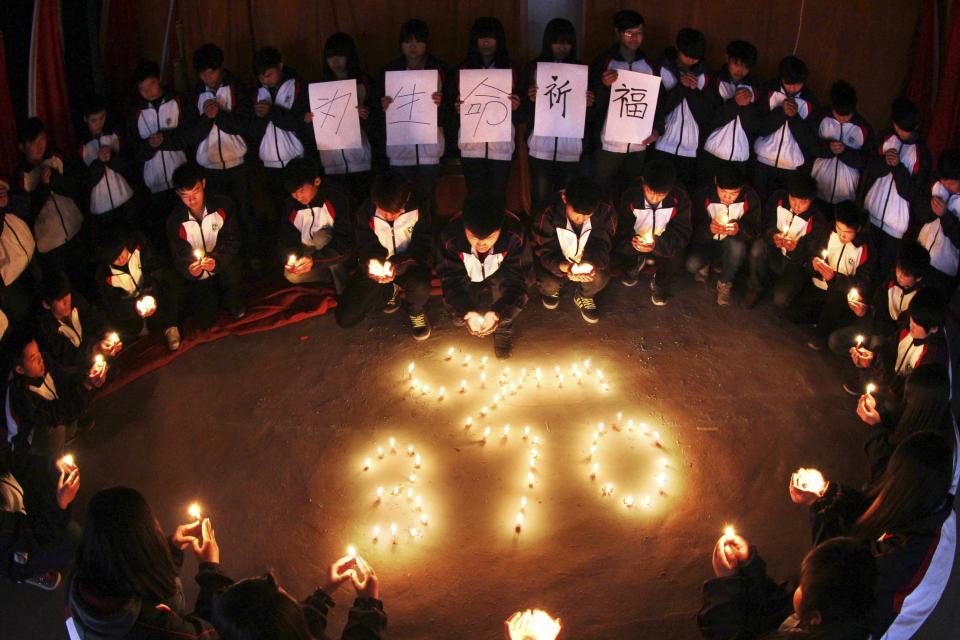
x: 922, y: 75
x: 945, y: 128
x: 120, y: 44
x: 48, y: 82
x: 8, y: 126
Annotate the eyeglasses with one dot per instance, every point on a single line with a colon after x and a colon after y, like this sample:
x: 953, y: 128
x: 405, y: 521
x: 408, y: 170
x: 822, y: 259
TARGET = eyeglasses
x: 634, y: 33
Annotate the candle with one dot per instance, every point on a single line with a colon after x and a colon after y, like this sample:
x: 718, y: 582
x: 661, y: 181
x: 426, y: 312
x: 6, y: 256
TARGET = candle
x: 809, y: 480
x: 98, y: 364
x: 538, y: 374
x: 426, y: 390
x: 194, y: 511
x: 379, y: 493
x: 593, y: 450
x: 412, y: 478
x: 854, y: 295
x: 496, y: 399
x: 486, y: 433
x: 393, y: 445
x: 534, y: 453
x: 483, y: 361
x: 656, y: 438
x: 519, y: 522
x: 596, y: 437
x: 483, y: 380
x: 647, y: 501
x: 729, y: 533
x: 409, y: 494
x: 395, y: 491
x: 410, y: 450
x: 784, y: 231
x: 393, y: 531
x: 466, y: 360
x: 415, y: 383
x: 526, y: 432
x: 291, y: 260
x: 366, y: 464
x: 628, y: 501
x: 523, y: 503
x: 484, y: 410
x: 594, y: 469
x: 352, y: 551
x: 506, y: 431
x: 530, y: 479
x: 661, y: 481
x: 535, y: 440
x: 581, y: 269
x: 198, y: 254
x: 859, y: 341
x: 417, y: 461
x: 619, y: 417
x: 145, y: 305
x: 601, y: 428
x: 560, y: 382
x: 599, y: 374
x: 823, y: 255
x: 586, y: 364
x: 648, y: 237
x: 66, y: 464
x: 441, y: 392
x: 450, y: 353
x: 463, y: 386
x: 629, y: 425
x: 424, y: 518
x: 112, y: 339
x: 469, y: 422
x: 607, y: 489
x: 380, y: 452
x: 376, y: 532
x: 419, y: 502
x: 663, y: 462
x: 644, y: 427
x: 870, y: 389
x: 532, y: 463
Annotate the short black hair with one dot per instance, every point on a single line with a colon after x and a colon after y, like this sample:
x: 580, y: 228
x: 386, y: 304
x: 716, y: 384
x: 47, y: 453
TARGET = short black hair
x: 802, y: 186
x: 208, y: 56
x: 30, y: 130
x: 948, y: 167
x: 187, y: 175
x: 17, y: 343
x: 627, y: 19
x: 583, y: 194
x: 792, y: 70
x: 415, y: 29
x: 849, y: 213
x: 94, y: 104
x: 730, y: 176
x: 691, y: 43
x: 913, y: 259
x: 298, y: 172
x: 837, y: 578
x: 258, y: 608
x: 843, y: 98
x: 53, y: 286
x: 743, y: 51
x: 144, y: 70
x: 905, y: 114
x: 660, y: 175
x: 482, y: 214
x: 390, y: 191
x: 928, y: 308
x: 114, y: 240
x: 266, y: 58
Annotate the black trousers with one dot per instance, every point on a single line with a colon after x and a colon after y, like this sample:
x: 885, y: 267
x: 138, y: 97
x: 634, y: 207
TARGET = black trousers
x: 152, y: 221
x: 363, y: 294
x: 483, y: 296
x: 828, y: 309
x: 548, y: 177
x: 235, y: 184
x: 204, y: 297
x: 549, y: 284
x: 666, y: 268
x: 767, y: 179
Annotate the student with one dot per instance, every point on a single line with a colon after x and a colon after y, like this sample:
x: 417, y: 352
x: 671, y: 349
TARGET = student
x: 618, y: 163
x: 895, y: 176
x: 219, y: 97
x: 162, y: 133
x: 316, y: 235
x: 684, y: 102
x: 393, y: 227
x: 486, y: 165
x: 205, y: 241
x: 125, y: 584
x: 940, y: 215
x: 282, y: 111
x: 418, y: 163
x: 785, y: 139
x: 842, y: 265
x: 553, y: 161
x: 54, y: 216
x: 70, y: 329
x: 733, y: 94
x: 841, y: 151
x: 727, y: 215
x: 129, y: 275
x: 19, y: 271
x: 832, y: 599
x: 483, y: 271
x: 573, y: 239
x: 260, y: 608
x: 109, y: 171
x: 654, y: 226
x: 342, y: 62
x: 791, y: 223
x: 46, y: 405
x: 908, y: 520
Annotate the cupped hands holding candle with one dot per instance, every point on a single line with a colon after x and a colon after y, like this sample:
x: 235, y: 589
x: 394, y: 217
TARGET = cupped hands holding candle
x: 481, y: 325
x: 68, y: 484
x: 643, y: 242
x: 807, y: 486
x: 200, y: 536
x: 202, y: 262
x: 729, y: 553
x: 111, y: 345
x: 146, y: 306
x: 382, y: 272
x: 861, y: 356
x: 582, y: 272
x: 822, y: 267
x: 867, y: 409
x: 532, y: 625
x: 856, y: 303
x: 97, y: 374
x: 298, y: 265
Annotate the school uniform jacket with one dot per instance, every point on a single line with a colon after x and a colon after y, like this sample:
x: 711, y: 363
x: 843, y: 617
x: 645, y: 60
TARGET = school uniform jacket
x: 745, y: 211
x: 491, y: 150
x: 686, y: 111
x: 321, y: 229
x: 406, y: 241
x: 730, y: 132
x: 890, y: 191
x: 549, y: 148
x: 413, y: 155
x: 181, y: 130
x: 281, y: 133
x: 224, y: 146
x: 782, y: 142
x: 17, y: 246
x: 108, y: 184
x: 461, y: 268
x: 71, y: 342
x: 805, y: 228
x: 853, y: 261
x: 838, y: 176
x: 35, y: 404
x: 890, y: 307
x: 667, y: 223
x: 26, y: 530
x: 556, y: 241
x: 940, y: 235
x: 357, y: 159
x: 611, y: 60
x: 54, y: 214
x: 216, y: 234
x: 120, y: 288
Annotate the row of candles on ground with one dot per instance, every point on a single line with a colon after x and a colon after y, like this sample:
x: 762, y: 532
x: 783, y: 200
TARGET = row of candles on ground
x: 577, y: 371
x: 607, y: 489
x: 397, y: 490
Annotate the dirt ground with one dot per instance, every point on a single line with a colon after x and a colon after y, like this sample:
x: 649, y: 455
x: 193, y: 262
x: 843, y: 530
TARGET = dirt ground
x: 270, y: 432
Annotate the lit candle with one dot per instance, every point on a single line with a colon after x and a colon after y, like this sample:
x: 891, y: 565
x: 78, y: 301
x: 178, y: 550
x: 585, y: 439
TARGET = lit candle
x: 593, y: 450
x: 198, y: 254
x: 426, y: 390
x: 376, y: 533
x: 535, y: 440
x: 291, y: 260
x: 784, y: 231
x: 380, y: 452
x: 628, y: 501
x: 379, y: 493
x: 393, y: 445
x: 601, y: 428
x: 556, y: 369
x: 98, y: 364
x: 729, y: 533
x: 586, y: 364
x: 560, y: 382
x: 112, y: 339
x: 412, y: 478
x: 854, y: 295
x: 523, y: 503
x: 506, y: 431
x: 496, y: 399
x: 599, y: 374
x: 366, y: 464
x: 410, y: 450
x: 450, y: 353
x: 661, y: 481
x: 409, y: 494
x: 859, y: 341
x: 629, y: 425
x: 663, y: 462
x: 530, y: 479
x: 352, y: 551
x: 441, y: 392
x: 410, y: 368
x: 393, y: 531
x: 395, y: 491
x: 483, y: 361
x: 605, y: 386
x: 419, y: 502
x: 596, y: 437
x: 145, y: 305
x: 595, y: 470
x: 619, y: 417
x: 656, y: 438
x: 644, y: 427
x: 415, y: 383
x: 484, y: 410
x: 424, y: 518
x: 647, y: 501
x: 534, y: 453
x: 469, y: 422
x: 66, y: 464
x: 526, y: 432
x: 486, y: 433
x: 532, y: 463
x: 607, y: 489
x: 417, y: 461
x: 483, y: 379
x: 810, y: 480
x: 466, y: 360
x: 519, y: 522
x: 463, y: 386
x: 870, y: 389
x: 194, y: 511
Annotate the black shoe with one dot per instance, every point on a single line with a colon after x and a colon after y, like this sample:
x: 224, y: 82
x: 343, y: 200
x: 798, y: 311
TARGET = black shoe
x: 550, y: 302
x: 630, y: 278
x: 394, y: 302
x: 657, y: 295
x: 48, y: 581
x: 502, y: 343
x: 420, y: 326
x: 588, y: 309
x: 238, y: 313
x: 817, y: 344
x: 852, y: 389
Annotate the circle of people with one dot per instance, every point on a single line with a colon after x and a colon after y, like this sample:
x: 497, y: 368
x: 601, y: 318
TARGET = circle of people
x: 848, y: 230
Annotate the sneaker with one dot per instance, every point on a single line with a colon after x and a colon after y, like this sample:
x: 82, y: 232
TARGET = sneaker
x: 702, y: 273
x: 852, y: 389
x: 630, y: 278
x: 502, y: 343
x: 717, y: 266
x: 394, y: 302
x: 816, y: 344
x: 724, y: 293
x: 753, y: 297
x: 47, y: 581
x: 172, y: 334
x: 420, y: 326
x: 239, y: 312
x: 657, y: 296
x: 588, y: 309
x: 550, y: 302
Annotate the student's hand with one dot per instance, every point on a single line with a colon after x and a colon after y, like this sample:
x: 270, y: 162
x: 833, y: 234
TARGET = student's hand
x: 456, y: 104
x: 591, y: 98
x: 363, y: 111
x: 688, y: 80
x: 339, y: 572
x: 96, y: 377
x: 196, y: 268
x: 938, y: 205
x: 858, y: 307
x: 790, y: 244
x: 185, y: 535
x: 383, y: 279
x: 892, y: 156
x: 491, y: 320
x: 717, y: 227
x: 385, y: 102
x: 640, y: 246
x: 303, y: 265
x: 778, y: 239
x: 261, y: 109
x: 473, y: 322
x: 437, y: 97
x: 837, y: 147
x: 826, y: 271
x: 743, y: 97
x: 728, y: 553
x: 45, y: 174
x: 514, y: 101
x: 367, y: 585
x: 211, y: 108
x: 104, y: 154
x: 207, y: 263
x: 862, y: 357
x: 732, y: 228
x: 790, y: 107
x: 532, y: 93
x: 653, y: 137
x: 867, y: 410
x: 155, y: 140
x: 206, y: 549
x: 308, y: 117
x: 67, y: 487
x: 565, y: 267
x: 802, y: 496
x: 110, y: 349
x: 609, y: 77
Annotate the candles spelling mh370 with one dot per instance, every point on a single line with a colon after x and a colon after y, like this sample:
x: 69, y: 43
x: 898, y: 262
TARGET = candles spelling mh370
x: 607, y: 488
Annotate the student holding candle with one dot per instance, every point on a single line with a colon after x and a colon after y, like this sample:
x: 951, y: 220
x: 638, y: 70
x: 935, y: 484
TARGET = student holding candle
x: 573, y: 238
x: 70, y: 329
x: 109, y: 172
x: 939, y: 211
x: 393, y: 227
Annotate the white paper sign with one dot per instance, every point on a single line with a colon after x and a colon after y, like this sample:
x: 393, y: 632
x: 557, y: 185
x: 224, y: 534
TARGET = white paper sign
x: 633, y: 104
x: 561, y: 107
x: 485, y: 110
x: 336, y: 121
x: 412, y: 116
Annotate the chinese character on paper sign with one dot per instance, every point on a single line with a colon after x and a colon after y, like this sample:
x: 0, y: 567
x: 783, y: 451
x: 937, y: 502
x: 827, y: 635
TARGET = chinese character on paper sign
x: 632, y: 101
x: 332, y: 108
x: 412, y: 97
x: 493, y: 111
x: 558, y: 95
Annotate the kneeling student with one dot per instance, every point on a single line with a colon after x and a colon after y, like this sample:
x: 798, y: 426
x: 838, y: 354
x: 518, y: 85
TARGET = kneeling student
x: 70, y: 329
x: 483, y: 272
x: 316, y: 238
x: 573, y: 238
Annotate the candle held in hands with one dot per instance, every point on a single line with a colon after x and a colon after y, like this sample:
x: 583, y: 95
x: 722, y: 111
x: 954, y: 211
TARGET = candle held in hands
x: 146, y: 305
x: 194, y: 511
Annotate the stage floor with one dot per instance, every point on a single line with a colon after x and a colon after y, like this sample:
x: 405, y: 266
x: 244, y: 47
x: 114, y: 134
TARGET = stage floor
x: 270, y: 433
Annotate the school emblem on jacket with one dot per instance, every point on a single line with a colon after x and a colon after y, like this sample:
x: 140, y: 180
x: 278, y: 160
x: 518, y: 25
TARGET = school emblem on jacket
x: 215, y: 227
x: 168, y: 121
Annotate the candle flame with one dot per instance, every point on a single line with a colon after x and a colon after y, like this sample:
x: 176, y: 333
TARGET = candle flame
x: 194, y: 511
